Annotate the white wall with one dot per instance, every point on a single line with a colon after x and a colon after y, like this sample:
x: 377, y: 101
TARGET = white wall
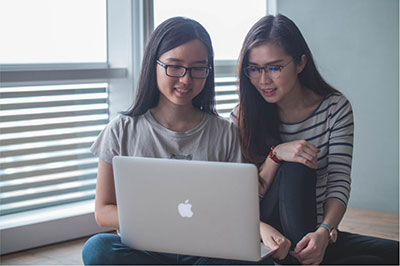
x: 355, y: 44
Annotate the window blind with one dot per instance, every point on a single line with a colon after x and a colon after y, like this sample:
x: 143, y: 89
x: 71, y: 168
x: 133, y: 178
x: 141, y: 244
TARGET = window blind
x: 226, y: 95
x: 46, y: 132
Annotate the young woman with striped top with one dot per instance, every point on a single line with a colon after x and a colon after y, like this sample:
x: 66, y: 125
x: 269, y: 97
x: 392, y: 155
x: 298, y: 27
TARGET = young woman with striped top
x: 299, y: 131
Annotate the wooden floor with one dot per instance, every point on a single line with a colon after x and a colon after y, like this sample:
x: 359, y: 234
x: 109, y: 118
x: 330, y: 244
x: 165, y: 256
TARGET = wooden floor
x: 374, y: 223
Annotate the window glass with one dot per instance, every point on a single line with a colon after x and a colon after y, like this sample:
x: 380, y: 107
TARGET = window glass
x: 52, y: 31
x: 227, y: 21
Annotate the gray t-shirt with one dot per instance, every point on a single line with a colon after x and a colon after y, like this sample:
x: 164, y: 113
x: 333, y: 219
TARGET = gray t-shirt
x: 214, y: 139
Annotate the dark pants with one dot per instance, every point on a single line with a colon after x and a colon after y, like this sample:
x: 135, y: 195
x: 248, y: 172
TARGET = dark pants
x: 290, y: 206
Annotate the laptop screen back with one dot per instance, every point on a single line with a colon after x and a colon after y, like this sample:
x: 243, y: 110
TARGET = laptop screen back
x: 197, y: 208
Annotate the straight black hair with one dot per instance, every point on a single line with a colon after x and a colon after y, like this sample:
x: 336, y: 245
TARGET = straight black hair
x: 168, y: 35
x: 258, y: 120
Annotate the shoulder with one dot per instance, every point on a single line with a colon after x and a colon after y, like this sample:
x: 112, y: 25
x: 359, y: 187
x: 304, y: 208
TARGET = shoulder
x: 224, y: 138
x: 221, y: 122
x: 333, y: 103
x: 122, y: 122
x: 335, y: 100
x: 338, y: 110
x: 234, y: 115
x: 222, y: 127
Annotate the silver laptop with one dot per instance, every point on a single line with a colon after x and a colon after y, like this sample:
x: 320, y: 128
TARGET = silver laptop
x: 198, y: 208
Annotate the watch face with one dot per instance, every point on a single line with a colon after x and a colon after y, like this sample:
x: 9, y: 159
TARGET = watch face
x: 333, y: 235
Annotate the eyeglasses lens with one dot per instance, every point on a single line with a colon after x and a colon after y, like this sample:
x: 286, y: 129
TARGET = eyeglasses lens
x: 196, y: 72
x: 256, y: 73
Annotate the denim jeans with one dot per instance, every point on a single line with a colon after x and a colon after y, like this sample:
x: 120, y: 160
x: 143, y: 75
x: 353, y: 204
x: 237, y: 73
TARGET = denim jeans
x: 107, y: 249
x: 289, y: 205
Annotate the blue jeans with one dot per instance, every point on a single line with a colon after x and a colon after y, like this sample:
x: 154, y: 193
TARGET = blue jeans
x: 108, y: 249
x: 289, y: 205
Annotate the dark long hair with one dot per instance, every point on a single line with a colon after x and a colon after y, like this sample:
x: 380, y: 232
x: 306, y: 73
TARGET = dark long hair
x: 258, y: 120
x: 168, y: 35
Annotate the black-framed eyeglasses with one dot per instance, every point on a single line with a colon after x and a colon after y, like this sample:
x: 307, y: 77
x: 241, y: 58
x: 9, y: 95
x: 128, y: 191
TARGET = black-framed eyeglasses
x: 177, y: 71
x: 274, y: 72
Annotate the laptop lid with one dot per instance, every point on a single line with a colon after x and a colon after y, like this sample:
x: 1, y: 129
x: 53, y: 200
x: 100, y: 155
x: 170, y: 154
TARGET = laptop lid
x: 199, y: 208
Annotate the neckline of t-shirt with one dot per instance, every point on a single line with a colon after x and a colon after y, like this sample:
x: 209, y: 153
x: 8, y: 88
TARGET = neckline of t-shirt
x: 310, y: 115
x: 150, y: 118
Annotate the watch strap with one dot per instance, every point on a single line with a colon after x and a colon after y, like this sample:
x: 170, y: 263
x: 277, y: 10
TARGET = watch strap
x: 332, y: 238
x: 327, y: 227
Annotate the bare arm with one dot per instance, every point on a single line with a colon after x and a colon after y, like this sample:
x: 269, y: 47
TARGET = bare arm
x: 275, y: 241
x: 334, y: 212
x: 266, y: 175
x: 105, y: 205
x: 299, y: 151
x: 311, y: 249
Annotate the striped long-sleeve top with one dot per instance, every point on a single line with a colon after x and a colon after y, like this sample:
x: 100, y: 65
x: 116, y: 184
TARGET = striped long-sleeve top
x: 330, y: 128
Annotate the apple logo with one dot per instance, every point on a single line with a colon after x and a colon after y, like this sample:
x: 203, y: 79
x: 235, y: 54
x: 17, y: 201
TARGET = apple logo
x: 185, y: 209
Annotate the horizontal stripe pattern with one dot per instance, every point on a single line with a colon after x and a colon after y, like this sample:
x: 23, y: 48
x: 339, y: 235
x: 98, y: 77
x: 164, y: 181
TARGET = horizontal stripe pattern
x: 46, y: 133
x: 330, y: 128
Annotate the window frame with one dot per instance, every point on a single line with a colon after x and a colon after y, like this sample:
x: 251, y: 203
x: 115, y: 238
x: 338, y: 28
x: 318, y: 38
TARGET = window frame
x: 129, y: 24
x: 127, y: 30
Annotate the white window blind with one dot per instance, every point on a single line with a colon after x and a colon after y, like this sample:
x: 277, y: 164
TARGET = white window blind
x: 226, y: 96
x: 46, y: 132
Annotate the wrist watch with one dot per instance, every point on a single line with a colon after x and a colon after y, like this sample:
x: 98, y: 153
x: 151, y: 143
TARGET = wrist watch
x: 332, y: 232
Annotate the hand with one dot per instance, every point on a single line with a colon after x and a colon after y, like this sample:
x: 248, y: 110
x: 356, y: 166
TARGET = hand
x: 275, y: 241
x: 299, y: 151
x: 310, y: 250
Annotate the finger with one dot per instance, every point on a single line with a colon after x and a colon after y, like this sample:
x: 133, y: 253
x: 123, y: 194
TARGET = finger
x: 303, y: 144
x: 309, y: 155
x: 301, y: 244
x: 312, y: 147
x: 311, y: 151
x: 303, y: 160
x: 279, y: 254
x: 287, y: 248
x: 307, y: 252
x: 270, y: 242
x: 284, y: 246
x: 314, y: 164
x: 306, y: 156
x: 282, y: 252
x: 307, y: 163
x: 296, y: 256
x: 310, y: 163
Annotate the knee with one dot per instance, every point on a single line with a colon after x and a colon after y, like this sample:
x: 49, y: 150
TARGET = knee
x: 297, y: 170
x: 297, y: 167
x: 297, y: 175
x: 97, y: 249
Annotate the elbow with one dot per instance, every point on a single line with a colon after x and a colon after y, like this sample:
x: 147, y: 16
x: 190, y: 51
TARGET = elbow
x: 97, y: 217
x: 106, y: 215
